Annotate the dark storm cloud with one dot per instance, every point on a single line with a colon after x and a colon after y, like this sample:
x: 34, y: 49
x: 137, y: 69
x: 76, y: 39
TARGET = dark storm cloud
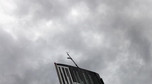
x: 107, y: 36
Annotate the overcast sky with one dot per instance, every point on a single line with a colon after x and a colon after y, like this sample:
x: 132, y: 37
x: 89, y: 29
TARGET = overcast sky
x: 110, y: 37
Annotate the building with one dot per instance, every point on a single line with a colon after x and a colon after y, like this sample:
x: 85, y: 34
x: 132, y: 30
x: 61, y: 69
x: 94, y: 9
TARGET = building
x: 74, y: 75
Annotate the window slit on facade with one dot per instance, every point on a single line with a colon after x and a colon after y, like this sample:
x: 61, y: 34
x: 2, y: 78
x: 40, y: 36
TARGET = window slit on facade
x: 72, y: 74
x: 90, y: 79
x: 85, y: 78
x: 77, y: 74
x: 76, y: 79
x: 68, y: 75
x: 62, y: 76
x: 65, y: 75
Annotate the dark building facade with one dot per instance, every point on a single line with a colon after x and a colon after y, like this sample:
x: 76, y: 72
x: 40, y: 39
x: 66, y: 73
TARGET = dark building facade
x: 74, y: 75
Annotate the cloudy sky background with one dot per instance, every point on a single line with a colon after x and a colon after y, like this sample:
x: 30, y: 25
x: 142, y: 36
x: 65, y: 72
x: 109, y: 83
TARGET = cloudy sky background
x: 111, y: 37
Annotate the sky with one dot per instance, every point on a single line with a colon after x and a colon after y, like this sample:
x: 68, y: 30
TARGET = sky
x: 110, y: 37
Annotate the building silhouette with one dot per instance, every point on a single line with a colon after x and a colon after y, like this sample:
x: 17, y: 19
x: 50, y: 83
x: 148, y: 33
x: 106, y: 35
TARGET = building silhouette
x: 68, y: 74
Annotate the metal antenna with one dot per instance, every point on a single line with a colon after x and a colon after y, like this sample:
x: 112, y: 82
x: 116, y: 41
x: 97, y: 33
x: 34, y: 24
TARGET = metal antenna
x: 69, y: 57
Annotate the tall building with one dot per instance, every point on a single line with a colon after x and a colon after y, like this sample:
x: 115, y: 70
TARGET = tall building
x: 68, y: 74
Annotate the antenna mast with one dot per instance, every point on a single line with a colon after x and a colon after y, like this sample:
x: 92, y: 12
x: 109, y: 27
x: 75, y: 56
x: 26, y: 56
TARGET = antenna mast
x: 69, y: 57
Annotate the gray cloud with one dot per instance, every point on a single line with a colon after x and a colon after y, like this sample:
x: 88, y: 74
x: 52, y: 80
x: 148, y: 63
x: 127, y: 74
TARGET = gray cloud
x: 109, y: 37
